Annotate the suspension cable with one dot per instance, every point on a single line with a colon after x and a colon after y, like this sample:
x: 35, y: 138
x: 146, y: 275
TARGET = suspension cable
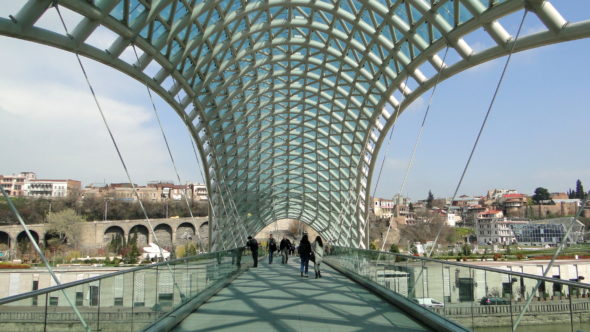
x: 418, y: 137
x: 135, y: 191
x: 43, y: 258
x: 498, y: 85
x: 169, y: 151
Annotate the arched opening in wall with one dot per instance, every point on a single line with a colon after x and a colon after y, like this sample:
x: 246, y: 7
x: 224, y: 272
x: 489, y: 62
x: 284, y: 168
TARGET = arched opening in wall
x: 164, y: 235
x: 4, y: 241
x: 185, y: 233
x: 142, y: 234
x: 24, y: 249
x: 113, y: 239
x: 54, y: 242
x: 291, y: 229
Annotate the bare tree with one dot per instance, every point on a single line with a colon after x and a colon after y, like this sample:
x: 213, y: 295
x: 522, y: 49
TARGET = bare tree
x: 64, y: 224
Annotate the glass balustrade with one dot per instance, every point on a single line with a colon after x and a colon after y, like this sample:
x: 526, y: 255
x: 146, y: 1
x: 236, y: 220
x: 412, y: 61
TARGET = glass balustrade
x: 476, y: 297
x: 129, y: 300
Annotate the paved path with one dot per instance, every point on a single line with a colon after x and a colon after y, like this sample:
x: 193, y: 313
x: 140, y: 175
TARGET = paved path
x: 275, y: 298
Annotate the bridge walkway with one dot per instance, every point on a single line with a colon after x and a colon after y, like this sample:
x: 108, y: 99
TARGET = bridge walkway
x: 275, y: 298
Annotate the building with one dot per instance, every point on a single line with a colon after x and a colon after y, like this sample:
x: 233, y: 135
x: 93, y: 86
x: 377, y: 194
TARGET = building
x: 51, y: 188
x: 383, y: 208
x: 548, y: 232
x: 157, y: 191
x: 14, y: 184
x: 513, y: 205
x: 466, y: 201
x: 492, y: 227
x: 199, y: 191
x: 496, y: 194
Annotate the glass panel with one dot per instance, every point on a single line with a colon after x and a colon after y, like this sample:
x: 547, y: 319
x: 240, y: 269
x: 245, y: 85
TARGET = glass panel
x: 61, y: 316
x: 136, y: 298
x: 475, y: 297
x: 24, y: 315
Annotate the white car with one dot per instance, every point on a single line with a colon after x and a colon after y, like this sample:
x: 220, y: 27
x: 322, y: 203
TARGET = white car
x: 428, y: 302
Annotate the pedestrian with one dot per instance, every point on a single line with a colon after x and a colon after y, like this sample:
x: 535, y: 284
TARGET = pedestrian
x: 304, y: 254
x: 284, y: 248
x: 271, y: 246
x: 252, y: 244
x: 318, y: 251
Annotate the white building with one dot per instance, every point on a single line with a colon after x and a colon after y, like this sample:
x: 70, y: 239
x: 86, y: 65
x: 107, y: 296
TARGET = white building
x: 199, y: 191
x: 383, y: 208
x: 492, y: 227
x: 50, y: 188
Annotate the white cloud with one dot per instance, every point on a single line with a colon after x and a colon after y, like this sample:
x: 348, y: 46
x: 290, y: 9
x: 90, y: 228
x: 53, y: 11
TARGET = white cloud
x: 52, y: 126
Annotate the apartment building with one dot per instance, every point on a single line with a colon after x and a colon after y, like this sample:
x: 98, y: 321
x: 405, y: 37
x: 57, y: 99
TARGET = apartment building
x: 14, y: 184
x: 51, y: 188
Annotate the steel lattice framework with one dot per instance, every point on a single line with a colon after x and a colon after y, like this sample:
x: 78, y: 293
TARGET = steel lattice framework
x: 288, y: 99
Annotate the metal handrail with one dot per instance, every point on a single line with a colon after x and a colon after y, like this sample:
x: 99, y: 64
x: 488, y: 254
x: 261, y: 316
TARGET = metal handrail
x: 478, y: 267
x: 103, y: 276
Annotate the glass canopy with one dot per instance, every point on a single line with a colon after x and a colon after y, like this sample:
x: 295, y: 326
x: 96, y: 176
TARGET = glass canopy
x: 289, y: 100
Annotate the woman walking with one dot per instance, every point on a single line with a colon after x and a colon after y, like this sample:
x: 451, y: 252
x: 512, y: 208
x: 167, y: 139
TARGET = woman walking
x: 318, y: 251
x: 304, y: 254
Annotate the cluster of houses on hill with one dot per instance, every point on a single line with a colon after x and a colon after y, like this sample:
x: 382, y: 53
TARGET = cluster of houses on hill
x: 26, y: 184
x: 500, y: 217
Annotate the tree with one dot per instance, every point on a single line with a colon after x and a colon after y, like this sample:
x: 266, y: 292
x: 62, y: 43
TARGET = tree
x: 571, y: 194
x: 131, y: 251
x: 117, y: 243
x: 466, y: 249
x: 580, y: 193
x: 64, y: 224
x: 191, y: 249
x: 541, y: 194
x: 394, y: 248
x: 429, y: 200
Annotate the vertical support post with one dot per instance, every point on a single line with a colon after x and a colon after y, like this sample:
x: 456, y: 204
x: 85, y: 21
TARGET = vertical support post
x: 210, y: 215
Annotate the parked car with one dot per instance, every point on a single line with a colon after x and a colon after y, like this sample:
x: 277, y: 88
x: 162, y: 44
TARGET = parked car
x: 493, y: 301
x: 428, y: 302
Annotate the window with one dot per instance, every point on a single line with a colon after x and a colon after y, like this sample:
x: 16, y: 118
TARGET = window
x: 79, y: 298
x: 118, y: 301
x: 53, y: 301
x: 466, y: 289
x: 35, y: 287
x: 94, y: 295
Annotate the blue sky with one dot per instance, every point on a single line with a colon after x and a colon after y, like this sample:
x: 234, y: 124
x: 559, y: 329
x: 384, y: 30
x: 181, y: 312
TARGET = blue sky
x: 537, y: 133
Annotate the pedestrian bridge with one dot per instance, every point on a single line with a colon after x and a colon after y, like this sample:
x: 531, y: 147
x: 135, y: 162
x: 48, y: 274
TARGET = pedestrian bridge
x: 289, y: 103
x: 360, y: 290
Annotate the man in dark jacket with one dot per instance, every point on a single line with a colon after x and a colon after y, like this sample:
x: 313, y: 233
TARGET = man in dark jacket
x: 271, y: 246
x: 284, y: 248
x: 252, y: 244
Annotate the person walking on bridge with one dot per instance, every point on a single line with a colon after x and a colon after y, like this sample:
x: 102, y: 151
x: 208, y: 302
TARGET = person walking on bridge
x: 252, y: 244
x: 304, y: 254
x: 318, y: 251
x: 271, y: 246
x: 284, y: 248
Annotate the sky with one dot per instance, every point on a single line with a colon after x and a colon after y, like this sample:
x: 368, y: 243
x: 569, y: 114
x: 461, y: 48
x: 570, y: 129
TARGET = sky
x: 536, y: 136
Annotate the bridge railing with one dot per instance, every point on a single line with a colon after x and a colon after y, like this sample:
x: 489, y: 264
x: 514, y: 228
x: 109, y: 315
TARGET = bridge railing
x: 477, y: 297
x: 129, y: 300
